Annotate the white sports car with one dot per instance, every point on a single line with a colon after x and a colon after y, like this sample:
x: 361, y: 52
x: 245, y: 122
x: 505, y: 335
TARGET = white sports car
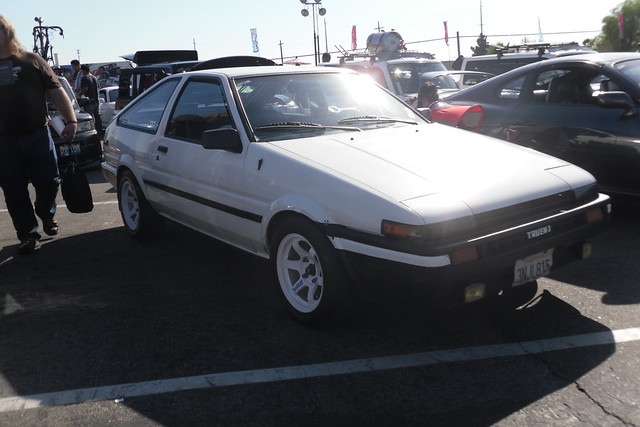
x: 334, y: 179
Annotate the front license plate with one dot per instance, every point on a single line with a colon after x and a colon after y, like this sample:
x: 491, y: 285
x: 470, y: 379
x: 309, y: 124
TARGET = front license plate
x: 532, y: 267
x: 69, y: 149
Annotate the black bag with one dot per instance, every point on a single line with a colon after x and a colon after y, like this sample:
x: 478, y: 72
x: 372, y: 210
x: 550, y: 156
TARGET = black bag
x: 76, y: 191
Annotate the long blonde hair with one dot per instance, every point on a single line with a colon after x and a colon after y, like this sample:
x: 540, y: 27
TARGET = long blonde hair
x: 12, y: 42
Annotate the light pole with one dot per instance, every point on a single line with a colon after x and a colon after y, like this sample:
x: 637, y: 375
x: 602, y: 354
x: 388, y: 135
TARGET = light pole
x: 316, y: 9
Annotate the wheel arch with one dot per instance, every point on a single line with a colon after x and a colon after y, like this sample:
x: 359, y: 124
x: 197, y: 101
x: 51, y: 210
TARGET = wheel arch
x: 290, y: 207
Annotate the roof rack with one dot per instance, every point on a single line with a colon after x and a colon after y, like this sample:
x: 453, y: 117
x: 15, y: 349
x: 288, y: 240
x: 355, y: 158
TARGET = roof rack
x: 348, y: 57
x: 541, y: 48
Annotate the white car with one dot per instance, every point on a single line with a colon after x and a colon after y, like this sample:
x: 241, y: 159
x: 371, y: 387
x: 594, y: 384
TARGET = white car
x: 335, y: 179
x: 107, y: 97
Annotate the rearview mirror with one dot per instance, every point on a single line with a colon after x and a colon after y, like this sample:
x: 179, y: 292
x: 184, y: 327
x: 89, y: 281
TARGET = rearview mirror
x: 222, y: 139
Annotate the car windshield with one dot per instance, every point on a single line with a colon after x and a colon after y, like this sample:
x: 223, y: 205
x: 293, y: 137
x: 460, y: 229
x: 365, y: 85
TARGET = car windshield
x: 630, y: 68
x: 406, y: 75
x: 67, y: 88
x: 304, y: 105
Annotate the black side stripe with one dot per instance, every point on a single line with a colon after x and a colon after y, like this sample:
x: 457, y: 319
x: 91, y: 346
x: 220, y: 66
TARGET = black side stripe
x: 215, y: 205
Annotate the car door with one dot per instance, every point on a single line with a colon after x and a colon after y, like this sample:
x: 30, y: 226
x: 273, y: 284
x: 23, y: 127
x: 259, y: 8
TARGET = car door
x: 201, y: 187
x: 558, y: 114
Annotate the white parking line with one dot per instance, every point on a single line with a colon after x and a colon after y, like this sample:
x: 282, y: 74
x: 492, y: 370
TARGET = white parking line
x: 257, y: 376
x: 108, y: 202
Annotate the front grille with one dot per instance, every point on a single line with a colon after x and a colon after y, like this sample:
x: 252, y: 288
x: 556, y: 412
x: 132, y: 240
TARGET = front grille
x: 514, y: 241
x: 467, y: 228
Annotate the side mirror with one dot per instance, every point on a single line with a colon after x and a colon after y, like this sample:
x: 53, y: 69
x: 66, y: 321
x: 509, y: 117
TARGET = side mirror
x: 83, y: 101
x: 617, y: 99
x: 426, y: 113
x: 222, y: 139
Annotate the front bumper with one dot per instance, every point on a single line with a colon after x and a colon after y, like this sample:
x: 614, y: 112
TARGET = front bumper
x: 435, y: 266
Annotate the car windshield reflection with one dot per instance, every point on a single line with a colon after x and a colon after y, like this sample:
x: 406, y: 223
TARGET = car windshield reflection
x: 305, y: 105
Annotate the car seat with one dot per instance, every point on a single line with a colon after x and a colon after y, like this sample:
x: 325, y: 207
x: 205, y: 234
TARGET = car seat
x: 563, y: 91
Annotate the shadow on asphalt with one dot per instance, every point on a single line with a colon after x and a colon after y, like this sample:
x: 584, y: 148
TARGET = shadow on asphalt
x: 100, y: 309
x: 615, y: 252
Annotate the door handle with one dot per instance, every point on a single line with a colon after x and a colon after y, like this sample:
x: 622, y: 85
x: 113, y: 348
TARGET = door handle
x: 163, y: 149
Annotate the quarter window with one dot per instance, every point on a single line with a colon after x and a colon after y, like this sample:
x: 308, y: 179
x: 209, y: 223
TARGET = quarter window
x: 145, y: 114
x: 512, y: 89
x: 200, y: 107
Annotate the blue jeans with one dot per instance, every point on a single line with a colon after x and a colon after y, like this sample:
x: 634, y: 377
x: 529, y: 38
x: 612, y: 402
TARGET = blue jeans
x: 23, y: 158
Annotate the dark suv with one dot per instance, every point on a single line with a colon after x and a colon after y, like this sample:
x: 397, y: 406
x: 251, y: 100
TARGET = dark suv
x: 86, y: 148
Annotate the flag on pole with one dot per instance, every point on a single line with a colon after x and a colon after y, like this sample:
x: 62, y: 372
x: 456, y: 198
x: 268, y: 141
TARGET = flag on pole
x: 446, y: 33
x: 254, y: 40
x: 354, y: 40
x: 540, y: 35
x: 621, y: 25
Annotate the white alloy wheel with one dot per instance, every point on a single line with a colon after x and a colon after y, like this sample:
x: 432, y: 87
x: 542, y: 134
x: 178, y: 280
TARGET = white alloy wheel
x: 130, y: 205
x: 141, y: 221
x: 311, y: 277
x: 300, y: 273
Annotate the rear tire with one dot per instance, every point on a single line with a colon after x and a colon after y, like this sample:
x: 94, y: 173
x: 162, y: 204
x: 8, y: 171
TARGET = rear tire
x: 312, y: 280
x: 140, y: 220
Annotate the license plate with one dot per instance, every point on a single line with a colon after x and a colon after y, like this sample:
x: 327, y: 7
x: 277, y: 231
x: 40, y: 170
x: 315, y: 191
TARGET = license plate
x: 532, y: 267
x: 69, y: 149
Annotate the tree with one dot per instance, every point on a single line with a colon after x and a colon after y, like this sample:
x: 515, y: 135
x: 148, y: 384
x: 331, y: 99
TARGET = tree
x: 613, y: 38
x: 482, y: 47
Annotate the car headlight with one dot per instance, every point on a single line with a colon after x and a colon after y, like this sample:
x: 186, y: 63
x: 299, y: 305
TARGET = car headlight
x: 85, y: 126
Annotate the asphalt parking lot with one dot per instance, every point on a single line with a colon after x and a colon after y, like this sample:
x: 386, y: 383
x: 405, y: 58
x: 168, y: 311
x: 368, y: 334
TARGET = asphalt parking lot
x: 98, y: 329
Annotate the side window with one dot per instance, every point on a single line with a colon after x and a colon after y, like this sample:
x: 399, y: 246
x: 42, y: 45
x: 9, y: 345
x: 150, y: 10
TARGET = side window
x: 542, y: 84
x: 146, y: 112
x: 512, y: 89
x: 569, y: 86
x: 200, y: 107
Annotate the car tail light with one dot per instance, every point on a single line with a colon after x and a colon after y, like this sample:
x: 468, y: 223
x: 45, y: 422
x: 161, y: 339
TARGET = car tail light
x: 472, y: 118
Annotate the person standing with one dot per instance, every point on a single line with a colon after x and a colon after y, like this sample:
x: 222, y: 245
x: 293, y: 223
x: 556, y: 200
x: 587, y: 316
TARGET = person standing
x: 77, y: 76
x: 27, y: 151
x: 89, y: 88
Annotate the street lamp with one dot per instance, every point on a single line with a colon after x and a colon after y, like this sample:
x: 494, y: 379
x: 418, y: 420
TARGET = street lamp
x: 316, y: 9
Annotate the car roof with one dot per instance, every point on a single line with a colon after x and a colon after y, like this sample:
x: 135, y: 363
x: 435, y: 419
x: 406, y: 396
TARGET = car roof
x: 596, y: 57
x: 236, y: 72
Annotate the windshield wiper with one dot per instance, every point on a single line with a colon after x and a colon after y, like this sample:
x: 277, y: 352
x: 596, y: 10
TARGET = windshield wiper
x: 302, y: 125
x: 376, y: 119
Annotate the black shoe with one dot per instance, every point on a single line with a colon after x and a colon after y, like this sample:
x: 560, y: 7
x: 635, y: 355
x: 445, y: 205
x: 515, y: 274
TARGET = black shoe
x: 50, y: 226
x: 27, y: 245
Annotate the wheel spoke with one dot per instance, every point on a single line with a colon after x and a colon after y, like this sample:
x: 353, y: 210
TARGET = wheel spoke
x: 302, y: 252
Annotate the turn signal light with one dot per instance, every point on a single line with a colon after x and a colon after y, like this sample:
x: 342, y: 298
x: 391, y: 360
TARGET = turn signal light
x: 397, y: 229
x: 594, y: 214
x: 464, y: 255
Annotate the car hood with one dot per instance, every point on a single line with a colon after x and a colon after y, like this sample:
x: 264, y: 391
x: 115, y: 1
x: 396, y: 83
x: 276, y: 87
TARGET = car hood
x: 410, y: 162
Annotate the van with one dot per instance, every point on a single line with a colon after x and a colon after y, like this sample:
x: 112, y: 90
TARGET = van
x: 508, y: 58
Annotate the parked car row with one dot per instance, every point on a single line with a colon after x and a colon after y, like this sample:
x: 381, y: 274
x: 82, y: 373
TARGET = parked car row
x: 580, y: 108
x: 85, y: 149
x: 335, y: 180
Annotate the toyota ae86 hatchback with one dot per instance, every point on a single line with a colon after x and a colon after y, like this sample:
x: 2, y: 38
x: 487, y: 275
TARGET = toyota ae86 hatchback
x: 334, y: 180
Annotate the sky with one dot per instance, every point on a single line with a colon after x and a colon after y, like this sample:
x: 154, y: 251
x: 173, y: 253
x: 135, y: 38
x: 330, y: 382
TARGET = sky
x: 97, y: 32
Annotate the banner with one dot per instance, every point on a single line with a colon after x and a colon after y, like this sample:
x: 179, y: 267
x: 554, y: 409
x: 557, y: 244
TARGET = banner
x: 446, y: 33
x: 254, y: 40
x: 621, y: 25
x: 354, y: 41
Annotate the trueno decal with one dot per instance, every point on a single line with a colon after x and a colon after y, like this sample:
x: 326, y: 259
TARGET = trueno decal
x: 538, y: 232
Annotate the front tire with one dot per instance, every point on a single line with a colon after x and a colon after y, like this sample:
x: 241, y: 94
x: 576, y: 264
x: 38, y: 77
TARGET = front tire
x: 140, y: 220
x: 309, y: 272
